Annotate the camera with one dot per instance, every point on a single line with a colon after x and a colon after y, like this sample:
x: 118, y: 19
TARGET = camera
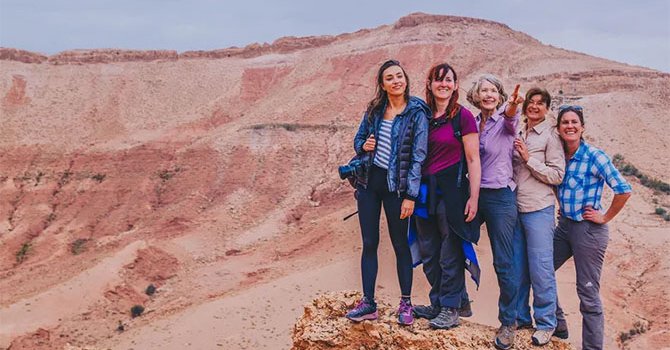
x: 355, y: 168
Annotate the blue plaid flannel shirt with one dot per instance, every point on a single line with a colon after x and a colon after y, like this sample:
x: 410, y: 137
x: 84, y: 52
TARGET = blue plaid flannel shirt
x: 585, y: 177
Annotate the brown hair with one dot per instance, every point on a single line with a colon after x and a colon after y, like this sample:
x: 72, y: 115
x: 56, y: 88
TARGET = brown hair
x: 437, y: 73
x: 546, y: 98
x: 380, y: 99
x: 576, y: 109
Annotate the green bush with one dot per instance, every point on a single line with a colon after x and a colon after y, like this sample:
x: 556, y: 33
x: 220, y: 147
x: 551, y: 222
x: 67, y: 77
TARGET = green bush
x: 98, y: 177
x: 136, y: 310
x: 661, y: 211
x: 167, y: 174
x: 78, y: 246
x: 22, y: 254
x: 630, y: 170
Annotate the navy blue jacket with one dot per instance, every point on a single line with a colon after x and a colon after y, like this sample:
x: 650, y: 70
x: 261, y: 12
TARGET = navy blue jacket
x: 409, y: 144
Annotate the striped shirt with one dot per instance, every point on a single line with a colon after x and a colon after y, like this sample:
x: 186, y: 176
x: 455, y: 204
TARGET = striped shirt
x: 585, y: 175
x: 383, y: 154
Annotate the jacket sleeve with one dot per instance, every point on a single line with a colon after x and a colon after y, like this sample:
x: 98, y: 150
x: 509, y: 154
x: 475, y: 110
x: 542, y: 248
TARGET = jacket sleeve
x: 552, y: 170
x: 361, y: 135
x: 419, y: 152
x: 510, y: 123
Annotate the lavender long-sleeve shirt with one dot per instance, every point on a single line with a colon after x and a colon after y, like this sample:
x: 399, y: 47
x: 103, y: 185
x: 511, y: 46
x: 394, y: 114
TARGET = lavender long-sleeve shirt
x: 496, y: 149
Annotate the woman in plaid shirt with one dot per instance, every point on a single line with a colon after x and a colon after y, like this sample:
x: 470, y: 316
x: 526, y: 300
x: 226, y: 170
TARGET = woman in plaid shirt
x: 582, y: 228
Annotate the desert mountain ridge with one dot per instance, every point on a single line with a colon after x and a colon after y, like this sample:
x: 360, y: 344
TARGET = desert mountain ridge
x: 281, y: 45
x: 212, y: 176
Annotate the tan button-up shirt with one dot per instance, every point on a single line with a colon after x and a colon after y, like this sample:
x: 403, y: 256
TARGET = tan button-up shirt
x: 544, y: 170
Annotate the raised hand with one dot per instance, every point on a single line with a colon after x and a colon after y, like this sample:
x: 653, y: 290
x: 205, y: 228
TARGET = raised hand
x: 515, y: 98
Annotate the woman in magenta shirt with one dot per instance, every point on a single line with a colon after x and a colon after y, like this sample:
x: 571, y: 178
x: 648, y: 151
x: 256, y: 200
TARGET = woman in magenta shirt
x: 450, y: 158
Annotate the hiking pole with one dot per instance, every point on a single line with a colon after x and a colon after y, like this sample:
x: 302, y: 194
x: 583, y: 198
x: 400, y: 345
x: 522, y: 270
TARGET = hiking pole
x: 350, y: 215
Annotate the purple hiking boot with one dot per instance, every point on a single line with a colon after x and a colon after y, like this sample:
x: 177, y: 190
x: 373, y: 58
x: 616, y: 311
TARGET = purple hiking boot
x: 365, y: 310
x: 405, y: 316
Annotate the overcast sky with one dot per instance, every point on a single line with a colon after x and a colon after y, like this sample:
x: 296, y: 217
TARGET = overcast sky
x: 635, y: 32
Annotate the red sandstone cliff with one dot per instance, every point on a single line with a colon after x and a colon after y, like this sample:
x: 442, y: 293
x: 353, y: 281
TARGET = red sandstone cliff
x: 220, y: 170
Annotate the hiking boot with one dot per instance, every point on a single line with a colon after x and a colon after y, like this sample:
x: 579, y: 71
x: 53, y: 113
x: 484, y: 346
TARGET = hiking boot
x: 447, y: 318
x: 428, y: 312
x: 561, y: 330
x: 542, y: 336
x: 525, y: 326
x: 505, y: 337
x: 465, y: 310
x: 365, y: 310
x: 405, y: 316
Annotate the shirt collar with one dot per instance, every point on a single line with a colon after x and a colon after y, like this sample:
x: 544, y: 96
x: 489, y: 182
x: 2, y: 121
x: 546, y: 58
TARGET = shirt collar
x: 542, y: 127
x: 496, y: 116
x: 580, y: 151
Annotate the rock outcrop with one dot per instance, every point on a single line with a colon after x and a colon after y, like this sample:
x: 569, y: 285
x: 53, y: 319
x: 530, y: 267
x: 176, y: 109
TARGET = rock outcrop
x: 419, y: 18
x: 111, y: 55
x: 323, y: 326
x: 10, y: 54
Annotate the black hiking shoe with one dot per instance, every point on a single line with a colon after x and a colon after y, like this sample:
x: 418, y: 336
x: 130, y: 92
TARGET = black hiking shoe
x: 561, y: 330
x: 428, y: 312
x: 465, y: 310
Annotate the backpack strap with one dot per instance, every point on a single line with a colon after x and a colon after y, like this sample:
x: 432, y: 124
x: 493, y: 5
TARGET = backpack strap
x: 458, y: 134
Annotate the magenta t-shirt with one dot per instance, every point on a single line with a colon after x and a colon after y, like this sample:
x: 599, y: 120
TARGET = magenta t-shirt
x: 444, y: 149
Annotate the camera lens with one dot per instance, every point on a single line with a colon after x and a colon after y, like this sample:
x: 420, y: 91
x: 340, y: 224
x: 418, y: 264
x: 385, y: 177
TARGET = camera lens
x: 344, y: 171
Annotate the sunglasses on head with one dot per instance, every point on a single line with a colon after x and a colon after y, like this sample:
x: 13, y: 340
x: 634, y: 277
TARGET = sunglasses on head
x: 574, y: 108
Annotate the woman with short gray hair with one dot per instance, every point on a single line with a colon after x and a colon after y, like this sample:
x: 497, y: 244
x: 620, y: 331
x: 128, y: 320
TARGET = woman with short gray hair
x: 497, y: 123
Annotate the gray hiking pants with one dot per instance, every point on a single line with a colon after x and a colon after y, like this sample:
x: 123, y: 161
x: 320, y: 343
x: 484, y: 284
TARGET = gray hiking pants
x: 587, y: 242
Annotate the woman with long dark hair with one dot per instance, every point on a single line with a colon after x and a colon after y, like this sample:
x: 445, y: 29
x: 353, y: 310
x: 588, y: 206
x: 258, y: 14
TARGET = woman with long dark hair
x: 582, y: 230
x: 452, y: 172
x: 393, y: 138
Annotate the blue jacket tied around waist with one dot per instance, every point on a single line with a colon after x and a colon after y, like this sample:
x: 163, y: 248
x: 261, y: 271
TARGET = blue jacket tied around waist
x: 421, y: 210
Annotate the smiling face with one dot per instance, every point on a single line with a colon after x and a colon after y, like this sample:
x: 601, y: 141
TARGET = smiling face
x: 489, y: 96
x: 570, y: 127
x: 536, y: 109
x: 394, y: 81
x: 443, y: 89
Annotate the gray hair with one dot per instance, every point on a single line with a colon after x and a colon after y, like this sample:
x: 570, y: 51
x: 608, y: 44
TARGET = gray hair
x: 473, y: 93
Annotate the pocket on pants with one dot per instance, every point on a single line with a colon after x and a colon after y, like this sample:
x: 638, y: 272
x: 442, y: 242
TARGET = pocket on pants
x: 598, y: 234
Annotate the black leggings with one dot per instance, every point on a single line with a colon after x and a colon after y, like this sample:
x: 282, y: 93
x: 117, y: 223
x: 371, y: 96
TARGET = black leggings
x: 370, y: 201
